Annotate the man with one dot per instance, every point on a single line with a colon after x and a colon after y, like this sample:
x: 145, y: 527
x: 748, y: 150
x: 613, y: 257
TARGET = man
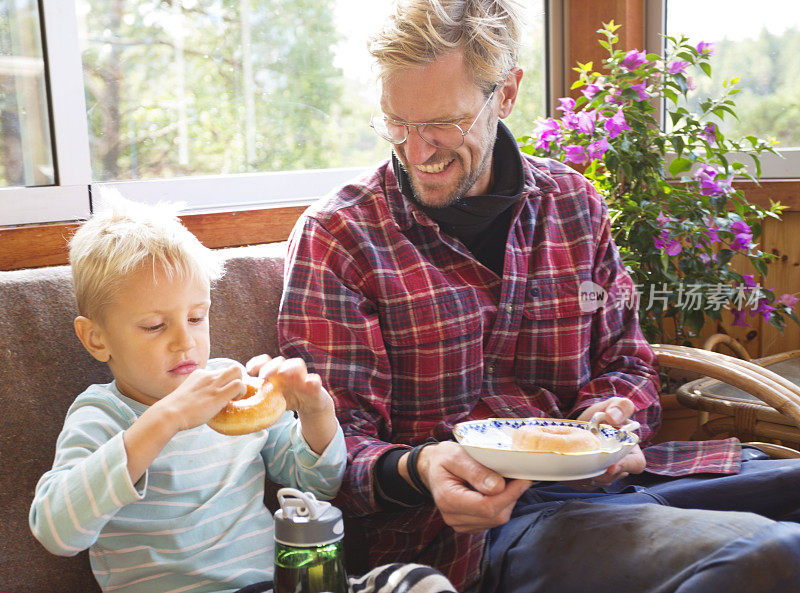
x: 445, y: 287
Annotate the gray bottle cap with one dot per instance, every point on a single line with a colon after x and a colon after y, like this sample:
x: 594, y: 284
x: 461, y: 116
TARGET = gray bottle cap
x: 304, y: 521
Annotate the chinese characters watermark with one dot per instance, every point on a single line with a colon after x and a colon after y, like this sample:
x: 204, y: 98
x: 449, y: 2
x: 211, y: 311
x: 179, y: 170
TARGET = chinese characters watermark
x: 685, y: 296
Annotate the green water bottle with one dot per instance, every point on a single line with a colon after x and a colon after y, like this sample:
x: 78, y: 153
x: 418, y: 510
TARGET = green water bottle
x: 309, y: 551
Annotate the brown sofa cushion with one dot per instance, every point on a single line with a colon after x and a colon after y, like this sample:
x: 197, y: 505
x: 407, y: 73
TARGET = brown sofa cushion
x: 43, y: 367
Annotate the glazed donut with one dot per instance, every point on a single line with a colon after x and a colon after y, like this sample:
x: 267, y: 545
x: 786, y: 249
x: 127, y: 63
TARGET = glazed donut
x: 554, y: 439
x: 259, y: 408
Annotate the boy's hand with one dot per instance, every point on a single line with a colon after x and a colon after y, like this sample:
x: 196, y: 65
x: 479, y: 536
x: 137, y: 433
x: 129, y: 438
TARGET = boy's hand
x: 199, y: 397
x: 203, y: 394
x: 304, y: 393
x: 302, y: 390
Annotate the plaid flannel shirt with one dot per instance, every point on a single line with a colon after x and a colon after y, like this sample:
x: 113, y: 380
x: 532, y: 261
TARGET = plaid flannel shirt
x: 411, y: 334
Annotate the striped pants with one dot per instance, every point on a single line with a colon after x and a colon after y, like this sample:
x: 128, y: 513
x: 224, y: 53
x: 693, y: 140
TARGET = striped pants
x: 389, y: 578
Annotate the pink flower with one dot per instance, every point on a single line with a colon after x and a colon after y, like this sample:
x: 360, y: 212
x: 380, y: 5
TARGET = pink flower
x: 706, y: 171
x: 709, y: 185
x: 711, y: 233
x: 597, y: 149
x: 662, y: 219
x: 711, y: 188
x: 739, y: 226
x: 709, y: 133
x: 677, y: 67
x: 576, y: 153
x: 547, y: 131
x: 633, y: 59
x: 738, y: 318
x: 787, y: 300
x: 674, y: 247
x: 640, y: 91
x: 669, y: 245
x: 586, y: 120
x: 764, y: 309
x: 742, y: 242
x: 704, y: 48
x: 749, y: 280
x: 591, y: 90
x: 567, y: 104
x: 616, y: 124
x: 613, y: 96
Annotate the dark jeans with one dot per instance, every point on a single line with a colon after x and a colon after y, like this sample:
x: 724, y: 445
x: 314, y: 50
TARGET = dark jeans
x: 699, y: 534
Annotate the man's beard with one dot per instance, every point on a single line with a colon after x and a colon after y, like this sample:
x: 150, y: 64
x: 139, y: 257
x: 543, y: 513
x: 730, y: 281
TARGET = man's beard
x: 466, y: 182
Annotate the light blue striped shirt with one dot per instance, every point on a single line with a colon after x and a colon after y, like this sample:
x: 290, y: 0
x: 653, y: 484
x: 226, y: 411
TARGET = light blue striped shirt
x: 195, y: 521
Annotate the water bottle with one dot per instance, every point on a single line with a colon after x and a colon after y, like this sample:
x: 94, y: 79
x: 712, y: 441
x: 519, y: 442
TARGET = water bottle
x: 309, y: 551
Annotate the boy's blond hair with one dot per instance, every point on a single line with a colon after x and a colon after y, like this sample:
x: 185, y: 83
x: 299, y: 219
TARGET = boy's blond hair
x: 124, y: 236
x: 420, y: 31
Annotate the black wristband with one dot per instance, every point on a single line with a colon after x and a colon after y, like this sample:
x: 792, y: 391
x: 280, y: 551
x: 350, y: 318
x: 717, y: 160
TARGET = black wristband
x: 392, y: 491
x: 413, y: 471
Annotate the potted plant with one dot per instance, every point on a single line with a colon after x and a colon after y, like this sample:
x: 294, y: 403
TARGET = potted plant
x: 675, y: 216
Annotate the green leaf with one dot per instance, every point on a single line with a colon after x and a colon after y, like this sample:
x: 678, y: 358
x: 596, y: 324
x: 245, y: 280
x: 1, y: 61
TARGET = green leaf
x: 664, y: 261
x: 760, y: 265
x: 695, y: 319
x: 679, y: 165
x: 678, y: 143
x: 671, y: 95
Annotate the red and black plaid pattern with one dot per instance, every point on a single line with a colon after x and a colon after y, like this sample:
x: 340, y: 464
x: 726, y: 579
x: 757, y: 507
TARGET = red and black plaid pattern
x: 411, y: 334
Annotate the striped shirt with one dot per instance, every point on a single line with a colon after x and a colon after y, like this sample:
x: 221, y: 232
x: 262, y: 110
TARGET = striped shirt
x: 412, y: 334
x: 195, y: 521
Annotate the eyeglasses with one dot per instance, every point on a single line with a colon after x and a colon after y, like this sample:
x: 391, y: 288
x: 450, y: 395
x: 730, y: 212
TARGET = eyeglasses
x: 441, y: 135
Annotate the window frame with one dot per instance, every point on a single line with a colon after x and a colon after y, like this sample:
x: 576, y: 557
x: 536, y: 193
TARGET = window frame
x: 68, y: 198
x: 784, y: 165
x: 35, y: 221
x: 71, y: 197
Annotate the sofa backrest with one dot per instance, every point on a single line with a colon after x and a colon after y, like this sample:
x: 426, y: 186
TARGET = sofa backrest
x: 43, y: 367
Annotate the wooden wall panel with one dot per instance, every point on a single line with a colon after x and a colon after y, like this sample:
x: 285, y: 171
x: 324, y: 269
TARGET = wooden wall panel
x: 46, y: 245
x: 34, y: 246
x: 585, y: 17
x: 783, y: 239
x: 760, y: 338
x: 243, y: 227
x: 785, y: 191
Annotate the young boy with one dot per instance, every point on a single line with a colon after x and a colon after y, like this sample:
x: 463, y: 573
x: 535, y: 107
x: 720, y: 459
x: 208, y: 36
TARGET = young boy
x: 163, y: 502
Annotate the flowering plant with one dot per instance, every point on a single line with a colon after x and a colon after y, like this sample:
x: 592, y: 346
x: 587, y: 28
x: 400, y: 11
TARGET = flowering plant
x: 675, y: 216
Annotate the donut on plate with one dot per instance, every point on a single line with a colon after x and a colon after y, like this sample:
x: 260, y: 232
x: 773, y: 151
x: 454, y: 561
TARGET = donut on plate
x: 554, y: 439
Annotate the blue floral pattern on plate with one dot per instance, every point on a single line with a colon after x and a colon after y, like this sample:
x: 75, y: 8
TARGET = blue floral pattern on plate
x: 489, y: 442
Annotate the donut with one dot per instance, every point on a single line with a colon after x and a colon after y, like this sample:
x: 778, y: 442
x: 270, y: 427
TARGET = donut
x: 260, y: 407
x: 554, y: 439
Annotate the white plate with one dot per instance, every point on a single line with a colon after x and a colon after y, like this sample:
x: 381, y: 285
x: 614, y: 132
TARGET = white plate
x: 489, y: 443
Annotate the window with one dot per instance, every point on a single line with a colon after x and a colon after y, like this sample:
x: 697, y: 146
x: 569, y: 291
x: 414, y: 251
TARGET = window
x: 26, y: 158
x: 221, y: 104
x: 760, y: 46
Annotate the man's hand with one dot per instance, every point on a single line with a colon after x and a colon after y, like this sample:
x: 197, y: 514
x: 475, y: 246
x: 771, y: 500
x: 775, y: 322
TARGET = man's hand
x: 617, y: 411
x: 470, y: 497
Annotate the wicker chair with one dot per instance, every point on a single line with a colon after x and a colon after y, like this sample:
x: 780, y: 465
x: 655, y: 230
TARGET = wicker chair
x: 747, y: 399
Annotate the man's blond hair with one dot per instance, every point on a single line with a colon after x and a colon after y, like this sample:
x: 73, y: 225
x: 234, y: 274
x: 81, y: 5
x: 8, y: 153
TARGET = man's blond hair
x: 121, y: 238
x: 421, y: 31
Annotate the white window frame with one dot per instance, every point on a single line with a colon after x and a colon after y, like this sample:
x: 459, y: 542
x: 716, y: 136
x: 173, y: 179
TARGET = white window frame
x: 785, y: 165
x: 70, y: 198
